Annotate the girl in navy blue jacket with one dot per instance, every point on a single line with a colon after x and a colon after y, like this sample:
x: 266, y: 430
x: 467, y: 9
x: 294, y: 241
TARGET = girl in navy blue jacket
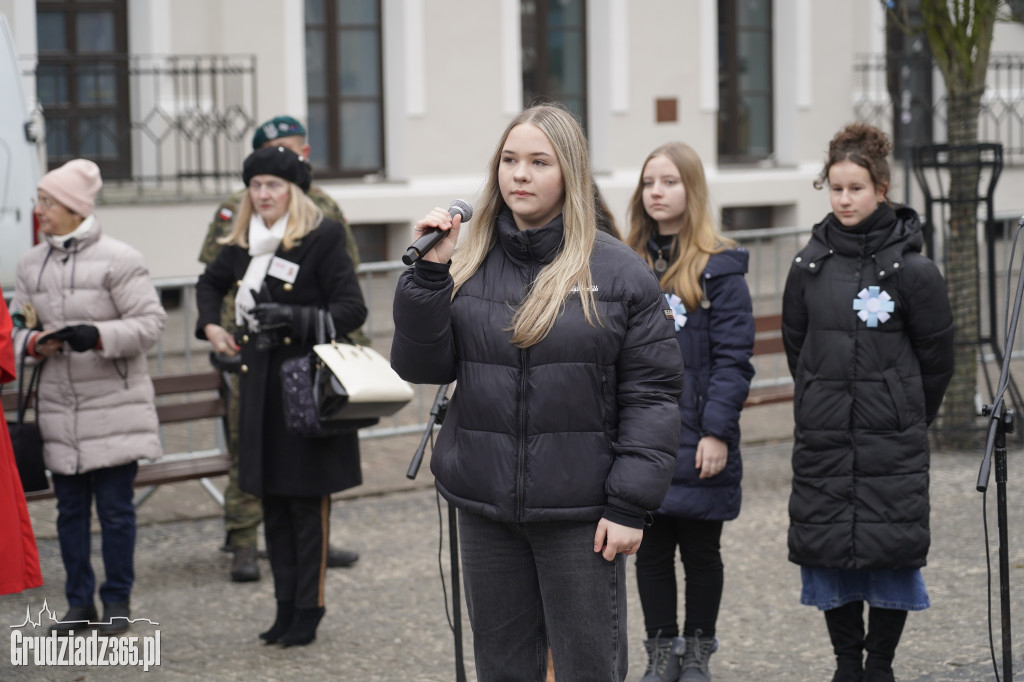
x: 702, y: 275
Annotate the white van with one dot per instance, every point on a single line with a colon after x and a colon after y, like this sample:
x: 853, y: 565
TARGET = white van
x: 19, y: 164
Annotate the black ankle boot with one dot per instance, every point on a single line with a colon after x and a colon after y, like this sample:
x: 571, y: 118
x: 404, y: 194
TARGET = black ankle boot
x: 885, y: 627
x: 77, y: 618
x: 846, y: 630
x: 116, y: 618
x: 283, y: 621
x: 303, y: 628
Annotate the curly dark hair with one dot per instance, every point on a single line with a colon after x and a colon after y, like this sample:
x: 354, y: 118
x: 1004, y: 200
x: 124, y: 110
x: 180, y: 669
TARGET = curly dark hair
x: 864, y: 145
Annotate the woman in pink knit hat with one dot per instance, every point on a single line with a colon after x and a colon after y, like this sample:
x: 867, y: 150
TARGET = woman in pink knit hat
x: 98, y: 313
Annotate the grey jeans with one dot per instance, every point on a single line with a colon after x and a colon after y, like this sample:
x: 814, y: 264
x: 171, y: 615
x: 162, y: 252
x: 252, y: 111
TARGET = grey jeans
x: 534, y: 584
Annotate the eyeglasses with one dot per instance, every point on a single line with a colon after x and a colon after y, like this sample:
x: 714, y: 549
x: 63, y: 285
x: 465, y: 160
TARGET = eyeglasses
x: 45, y: 202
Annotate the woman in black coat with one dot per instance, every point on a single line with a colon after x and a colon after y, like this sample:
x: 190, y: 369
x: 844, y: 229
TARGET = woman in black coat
x: 285, y: 263
x: 869, y: 339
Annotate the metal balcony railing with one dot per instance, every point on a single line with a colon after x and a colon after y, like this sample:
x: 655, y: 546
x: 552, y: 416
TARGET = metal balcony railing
x: 878, y: 99
x: 160, y: 127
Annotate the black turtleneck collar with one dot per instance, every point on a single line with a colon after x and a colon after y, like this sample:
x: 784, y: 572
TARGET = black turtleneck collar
x: 886, y: 235
x: 539, y: 245
x: 662, y: 240
x: 864, y: 238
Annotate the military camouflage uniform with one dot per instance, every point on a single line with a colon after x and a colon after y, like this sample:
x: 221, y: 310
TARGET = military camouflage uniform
x: 242, y: 511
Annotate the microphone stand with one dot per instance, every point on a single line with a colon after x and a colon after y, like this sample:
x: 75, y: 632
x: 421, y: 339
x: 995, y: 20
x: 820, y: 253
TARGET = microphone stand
x: 437, y: 414
x: 1001, y: 423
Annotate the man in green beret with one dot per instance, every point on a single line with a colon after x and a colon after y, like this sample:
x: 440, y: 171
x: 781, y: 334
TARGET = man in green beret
x: 286, y: 132
x: 243, y: 512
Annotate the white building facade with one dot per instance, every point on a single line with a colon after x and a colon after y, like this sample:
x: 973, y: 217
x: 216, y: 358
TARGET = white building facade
x: 405, y: 99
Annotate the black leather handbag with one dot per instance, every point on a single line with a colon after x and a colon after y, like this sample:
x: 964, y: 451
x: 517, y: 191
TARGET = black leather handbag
x: 26, y: 439
x: 312, y: 395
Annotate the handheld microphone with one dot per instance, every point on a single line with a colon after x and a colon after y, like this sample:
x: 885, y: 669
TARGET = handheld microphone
x: 429, y: 240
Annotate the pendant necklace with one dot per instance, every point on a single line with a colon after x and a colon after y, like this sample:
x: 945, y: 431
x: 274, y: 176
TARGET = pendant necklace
x: 660, y: 246
x: 660, y: 264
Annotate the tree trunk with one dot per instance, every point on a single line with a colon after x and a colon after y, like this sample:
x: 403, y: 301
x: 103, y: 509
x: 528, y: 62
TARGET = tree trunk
x: 961, y: 428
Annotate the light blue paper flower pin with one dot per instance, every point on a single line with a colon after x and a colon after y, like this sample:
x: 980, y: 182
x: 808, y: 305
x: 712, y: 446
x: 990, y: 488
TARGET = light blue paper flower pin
x: 678, y: 310
x: 873, y: 306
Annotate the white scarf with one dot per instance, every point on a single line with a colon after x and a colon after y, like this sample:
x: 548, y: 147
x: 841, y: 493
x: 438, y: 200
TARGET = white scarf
x: 62, y: 239
x: 263, y: 243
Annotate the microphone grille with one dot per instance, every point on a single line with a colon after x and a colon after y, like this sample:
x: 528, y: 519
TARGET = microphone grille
x: 463, y: 208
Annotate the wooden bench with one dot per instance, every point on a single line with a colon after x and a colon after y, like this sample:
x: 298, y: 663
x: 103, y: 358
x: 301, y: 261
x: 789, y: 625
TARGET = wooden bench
x: 181, y: 398
x: 768, y: 341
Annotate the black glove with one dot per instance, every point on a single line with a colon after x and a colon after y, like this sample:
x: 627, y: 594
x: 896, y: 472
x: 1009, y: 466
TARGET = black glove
x: 273, y: 316
x: 81, y: 337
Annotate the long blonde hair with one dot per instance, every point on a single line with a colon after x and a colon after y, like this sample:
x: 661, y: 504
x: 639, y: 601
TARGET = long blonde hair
x: 698, y: 238
x: 303, y: 217
x: 570, y: 270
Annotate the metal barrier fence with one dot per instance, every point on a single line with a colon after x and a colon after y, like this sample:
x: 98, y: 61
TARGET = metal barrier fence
x: 771, y: 251
x: 179, y: 350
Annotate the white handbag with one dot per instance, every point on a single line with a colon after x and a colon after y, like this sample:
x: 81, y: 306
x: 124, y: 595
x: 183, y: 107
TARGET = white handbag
x: 373, y: 388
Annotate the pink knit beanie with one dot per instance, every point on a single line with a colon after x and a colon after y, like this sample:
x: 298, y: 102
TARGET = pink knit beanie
x: 74, y: 185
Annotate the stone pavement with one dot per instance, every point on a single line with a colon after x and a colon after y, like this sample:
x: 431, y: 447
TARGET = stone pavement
x: 386, y: 615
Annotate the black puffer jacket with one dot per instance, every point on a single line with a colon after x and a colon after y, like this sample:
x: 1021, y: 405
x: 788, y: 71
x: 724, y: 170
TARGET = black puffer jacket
x: 869, y: 339
x: 584, y: 423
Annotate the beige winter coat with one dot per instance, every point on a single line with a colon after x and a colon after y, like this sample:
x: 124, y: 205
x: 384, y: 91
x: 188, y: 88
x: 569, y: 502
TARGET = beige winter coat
x: 96, y: 407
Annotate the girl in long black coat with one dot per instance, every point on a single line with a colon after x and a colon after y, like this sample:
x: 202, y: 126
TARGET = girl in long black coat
x: 286, y: 262
x: 869, y: 339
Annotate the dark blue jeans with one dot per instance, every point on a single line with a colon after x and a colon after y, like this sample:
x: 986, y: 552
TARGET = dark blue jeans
x: 115, y: 507
x: 534, y: 584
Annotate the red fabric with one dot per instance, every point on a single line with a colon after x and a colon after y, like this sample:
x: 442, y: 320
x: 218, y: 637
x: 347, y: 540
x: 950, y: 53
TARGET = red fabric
x: 19, y: 558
